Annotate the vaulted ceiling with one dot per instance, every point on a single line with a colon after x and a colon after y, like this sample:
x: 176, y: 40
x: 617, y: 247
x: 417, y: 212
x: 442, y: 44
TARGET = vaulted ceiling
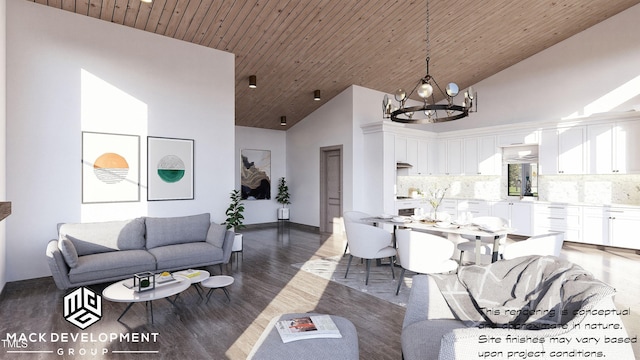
x: 297, y: 46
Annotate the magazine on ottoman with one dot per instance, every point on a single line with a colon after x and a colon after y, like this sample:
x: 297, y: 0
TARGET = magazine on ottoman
x: 307, y: 327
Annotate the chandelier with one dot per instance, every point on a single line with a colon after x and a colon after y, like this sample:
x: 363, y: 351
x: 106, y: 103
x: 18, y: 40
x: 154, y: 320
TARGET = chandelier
x: 429, y: 111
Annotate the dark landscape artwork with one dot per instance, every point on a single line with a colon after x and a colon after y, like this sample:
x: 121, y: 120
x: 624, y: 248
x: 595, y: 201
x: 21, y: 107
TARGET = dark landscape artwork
x: 255, y: 174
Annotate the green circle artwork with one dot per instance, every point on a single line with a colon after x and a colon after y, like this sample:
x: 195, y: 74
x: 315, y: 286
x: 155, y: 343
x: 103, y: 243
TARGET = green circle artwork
x: 171, y: 169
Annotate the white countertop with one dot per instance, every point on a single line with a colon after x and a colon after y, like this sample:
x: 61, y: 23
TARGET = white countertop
x: 627, y: 206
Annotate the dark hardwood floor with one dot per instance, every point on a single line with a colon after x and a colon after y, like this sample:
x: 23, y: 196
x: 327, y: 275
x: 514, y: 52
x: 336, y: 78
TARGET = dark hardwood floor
x: 265, y: 285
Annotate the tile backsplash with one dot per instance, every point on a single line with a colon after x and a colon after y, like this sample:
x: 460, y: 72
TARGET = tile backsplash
x: 468, y: 187
x: 589, y: 189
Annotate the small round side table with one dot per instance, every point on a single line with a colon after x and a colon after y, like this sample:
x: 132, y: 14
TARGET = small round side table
x: 217, y: 282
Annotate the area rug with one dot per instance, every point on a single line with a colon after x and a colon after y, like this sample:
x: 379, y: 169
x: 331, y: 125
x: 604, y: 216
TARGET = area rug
x: 381, y: 284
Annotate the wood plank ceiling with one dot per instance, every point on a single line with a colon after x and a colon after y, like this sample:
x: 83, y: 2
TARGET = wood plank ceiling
x: 297, y: 46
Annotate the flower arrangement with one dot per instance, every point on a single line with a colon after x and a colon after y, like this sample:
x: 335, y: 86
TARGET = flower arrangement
x: 435, y: 198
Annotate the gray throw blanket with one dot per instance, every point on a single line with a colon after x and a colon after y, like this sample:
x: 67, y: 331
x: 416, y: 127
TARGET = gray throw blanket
x: 535, y: 291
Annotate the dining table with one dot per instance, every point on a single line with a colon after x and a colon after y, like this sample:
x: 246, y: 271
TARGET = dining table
x: 469, y: 230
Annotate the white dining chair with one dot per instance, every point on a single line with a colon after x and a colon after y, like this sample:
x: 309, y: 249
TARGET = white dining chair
x: 353, y: 216
x: 543, y: 245
x: 424, y: 253
x: 369, y: 242
x: 486, y: 244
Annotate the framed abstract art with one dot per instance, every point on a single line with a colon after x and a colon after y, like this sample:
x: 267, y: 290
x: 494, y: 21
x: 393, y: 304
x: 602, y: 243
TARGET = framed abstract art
x: 170, y: 169
x: 110, y: 168
x: 255, y: 174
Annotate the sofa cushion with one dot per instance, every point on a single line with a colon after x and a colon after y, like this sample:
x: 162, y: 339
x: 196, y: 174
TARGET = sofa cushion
x: 99, y: 237
x: 176, y: 230
x: 182, y: 256
x: 421, y: 340
x: 216, y: 234
x: 105, y: 266
x: 68, y: 251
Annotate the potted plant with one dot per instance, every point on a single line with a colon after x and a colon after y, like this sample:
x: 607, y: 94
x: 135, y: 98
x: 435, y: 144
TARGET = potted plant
x: 283, y: 198
x: 235, y: 218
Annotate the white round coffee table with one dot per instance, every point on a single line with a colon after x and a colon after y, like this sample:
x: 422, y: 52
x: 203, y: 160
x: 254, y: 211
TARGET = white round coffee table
x: 195, y: 277
x: 217, y: 282
x: 118, y: 292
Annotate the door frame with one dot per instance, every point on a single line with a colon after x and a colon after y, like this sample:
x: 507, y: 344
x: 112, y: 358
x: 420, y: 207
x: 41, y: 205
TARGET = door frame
x: 323, y: 188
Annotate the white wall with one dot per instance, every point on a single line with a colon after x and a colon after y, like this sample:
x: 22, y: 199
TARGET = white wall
x: 3, y: 137
x: 262, y: 211
x: 68, y: 73
x: 368, y: 174
x: 593, y: 71
x: 331, y: 124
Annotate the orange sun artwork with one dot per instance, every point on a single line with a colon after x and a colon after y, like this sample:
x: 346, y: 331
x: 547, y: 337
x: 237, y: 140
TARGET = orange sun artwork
x: 111, y: 168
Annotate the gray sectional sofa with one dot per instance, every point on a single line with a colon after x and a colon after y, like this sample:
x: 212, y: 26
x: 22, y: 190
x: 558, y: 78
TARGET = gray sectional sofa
x: 433, y: 329
x: 90, y: 253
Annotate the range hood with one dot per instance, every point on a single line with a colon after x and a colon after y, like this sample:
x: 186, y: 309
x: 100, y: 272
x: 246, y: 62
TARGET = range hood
x: 522, y: 154
x: 403, y: 165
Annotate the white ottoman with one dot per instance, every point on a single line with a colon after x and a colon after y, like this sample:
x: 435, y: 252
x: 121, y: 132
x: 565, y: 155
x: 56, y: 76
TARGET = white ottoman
x: 271, y: 347
x: 217, y: 282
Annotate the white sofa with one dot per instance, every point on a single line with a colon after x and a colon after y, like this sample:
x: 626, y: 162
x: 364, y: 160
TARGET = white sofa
x: 431, y: 331
x: 90, y: 253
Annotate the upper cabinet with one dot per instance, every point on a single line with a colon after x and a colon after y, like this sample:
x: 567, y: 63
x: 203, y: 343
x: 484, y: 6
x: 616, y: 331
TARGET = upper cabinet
x: 401, y: 149
x: 413, y: 151
x: 481, y: 156
x: 592, y: 146
x: 454, y: 157
x: 562, y: 151
x: 412, y: 155
x: 423, y: 157
x: 517, y: 138
x: 437, y: 154
x: 613, y: 148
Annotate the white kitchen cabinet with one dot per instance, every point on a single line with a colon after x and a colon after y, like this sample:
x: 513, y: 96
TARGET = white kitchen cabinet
x: 518, y: 214
x: 449, y: 206
x: 627, y: 142
x: 471, y: 156
x: 412, y: 155
x: 401, y: 148
x: 423, y: 157
x: 595, y: 226
x: 611, y: 226
x: 623, y: 227
x: 559, y: 217
x: 454, y: 157
x: 474, y: 207
x: 517, y: 138
x: 437, y: 157
x: 481, y: 156
x: 613, y: 148
x: 562, y: 151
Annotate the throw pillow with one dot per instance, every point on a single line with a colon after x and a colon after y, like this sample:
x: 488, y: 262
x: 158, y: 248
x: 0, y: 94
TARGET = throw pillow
x: 216, y: 233
x: 69, y: 252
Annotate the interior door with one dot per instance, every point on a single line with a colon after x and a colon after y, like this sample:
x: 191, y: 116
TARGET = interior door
x: 330, y: 189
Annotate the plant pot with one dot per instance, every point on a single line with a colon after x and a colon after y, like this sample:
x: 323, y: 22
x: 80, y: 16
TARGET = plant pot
x: 283, y: 213
x: 237, y: 243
